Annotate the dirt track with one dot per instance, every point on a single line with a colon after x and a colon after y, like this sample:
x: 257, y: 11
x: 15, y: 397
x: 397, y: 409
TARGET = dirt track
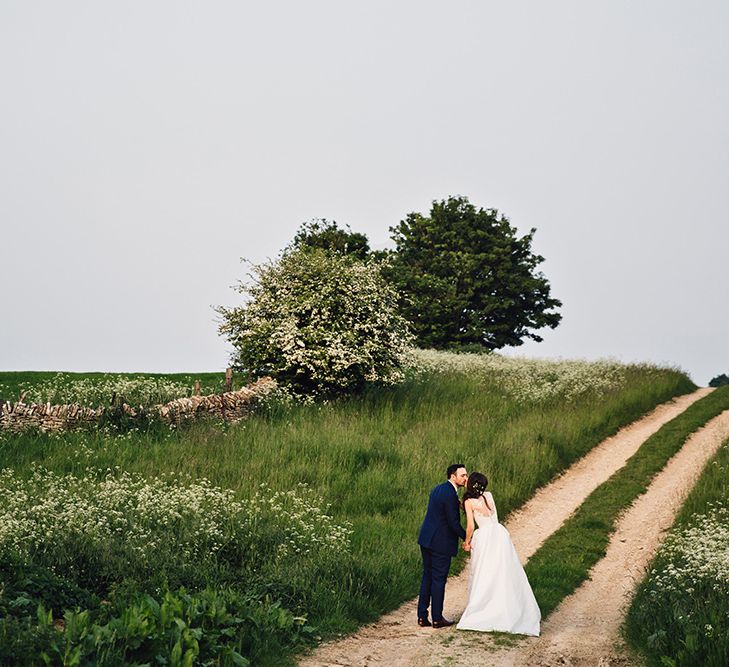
x: 584, y: 629
x: 396, y: 640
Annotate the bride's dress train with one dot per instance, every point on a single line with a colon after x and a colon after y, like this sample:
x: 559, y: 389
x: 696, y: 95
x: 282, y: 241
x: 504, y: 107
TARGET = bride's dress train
x: 499, y: 595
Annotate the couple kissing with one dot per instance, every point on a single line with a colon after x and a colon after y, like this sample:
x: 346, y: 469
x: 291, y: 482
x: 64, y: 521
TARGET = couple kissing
x: 499, y: 595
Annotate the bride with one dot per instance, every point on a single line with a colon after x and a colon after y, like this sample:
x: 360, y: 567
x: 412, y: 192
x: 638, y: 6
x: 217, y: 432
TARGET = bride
x: 499, y: 595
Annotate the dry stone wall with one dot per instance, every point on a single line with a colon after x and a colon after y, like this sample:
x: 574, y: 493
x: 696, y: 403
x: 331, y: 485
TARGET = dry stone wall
x: 23, y: 416
x: 230, y: 406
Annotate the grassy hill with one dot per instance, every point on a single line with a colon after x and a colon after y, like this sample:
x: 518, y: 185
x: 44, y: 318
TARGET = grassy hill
x: 338, y: 551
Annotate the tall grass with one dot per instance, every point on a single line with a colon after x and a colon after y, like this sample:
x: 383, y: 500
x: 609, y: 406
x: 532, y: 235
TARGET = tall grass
x: 680, y: 614
x: 375, y: 459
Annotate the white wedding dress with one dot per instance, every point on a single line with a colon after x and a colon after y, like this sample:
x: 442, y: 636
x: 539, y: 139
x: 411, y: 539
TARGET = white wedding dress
x: 499, y: 595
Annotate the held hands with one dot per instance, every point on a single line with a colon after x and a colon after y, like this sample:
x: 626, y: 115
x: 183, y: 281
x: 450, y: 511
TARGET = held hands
x: 467, y: 546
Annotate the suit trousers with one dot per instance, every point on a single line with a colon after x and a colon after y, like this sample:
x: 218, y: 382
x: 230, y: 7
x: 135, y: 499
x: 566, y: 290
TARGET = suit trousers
x: 432, y: 586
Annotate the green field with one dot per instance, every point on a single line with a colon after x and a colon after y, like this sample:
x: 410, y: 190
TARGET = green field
x: 58, y: 387
x: 372, y: 460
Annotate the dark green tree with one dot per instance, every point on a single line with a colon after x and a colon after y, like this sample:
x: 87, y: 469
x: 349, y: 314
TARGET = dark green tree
x: 327, y: 235
x: 719, y: 380
x: 466, y: 278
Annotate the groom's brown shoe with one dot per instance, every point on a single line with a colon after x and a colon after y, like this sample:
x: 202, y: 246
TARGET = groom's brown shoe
x: 423, y: 622
x: 443, y: 623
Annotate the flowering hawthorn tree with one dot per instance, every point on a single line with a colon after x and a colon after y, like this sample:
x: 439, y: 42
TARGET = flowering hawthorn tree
x: 319, y: 323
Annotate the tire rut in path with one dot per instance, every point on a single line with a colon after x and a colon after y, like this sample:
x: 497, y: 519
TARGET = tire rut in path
x: 395, y: 640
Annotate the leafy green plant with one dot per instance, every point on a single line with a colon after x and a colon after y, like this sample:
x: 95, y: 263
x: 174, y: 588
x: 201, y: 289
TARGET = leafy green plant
x: 220, y: 627
x: 24, y: 586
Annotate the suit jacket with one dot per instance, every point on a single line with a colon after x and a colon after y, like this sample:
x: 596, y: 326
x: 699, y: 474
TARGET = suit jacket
x: 442, y: 525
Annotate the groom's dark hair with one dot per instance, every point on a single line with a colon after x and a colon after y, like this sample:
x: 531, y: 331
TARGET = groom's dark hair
x: 451, y: 470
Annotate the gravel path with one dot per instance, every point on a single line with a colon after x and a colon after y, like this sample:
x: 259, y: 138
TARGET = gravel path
x: 395, y: 640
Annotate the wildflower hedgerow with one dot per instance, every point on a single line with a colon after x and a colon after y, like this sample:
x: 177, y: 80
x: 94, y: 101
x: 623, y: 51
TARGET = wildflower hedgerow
x: 113, y: 535
x: 530, y: 379
x: 60, y: 389
x: 50, y: 519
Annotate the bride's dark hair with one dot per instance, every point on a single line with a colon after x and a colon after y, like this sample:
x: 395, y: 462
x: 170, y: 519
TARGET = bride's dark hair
x: 476, y: 485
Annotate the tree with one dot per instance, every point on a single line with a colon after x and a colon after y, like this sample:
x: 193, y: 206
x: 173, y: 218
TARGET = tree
x: 719, y: 380
x: 326, y: 234
x: 466, y: 278
x: 318, y: 322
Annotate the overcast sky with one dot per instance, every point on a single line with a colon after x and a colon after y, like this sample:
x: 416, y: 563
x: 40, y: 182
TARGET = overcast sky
x: 145, y: 147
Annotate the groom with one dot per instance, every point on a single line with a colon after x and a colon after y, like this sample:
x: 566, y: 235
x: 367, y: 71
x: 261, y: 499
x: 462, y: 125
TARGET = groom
x: 438, y: 542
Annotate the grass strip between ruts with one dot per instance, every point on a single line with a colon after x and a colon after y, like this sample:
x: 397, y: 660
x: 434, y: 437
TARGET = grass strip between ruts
x: 564, y: 560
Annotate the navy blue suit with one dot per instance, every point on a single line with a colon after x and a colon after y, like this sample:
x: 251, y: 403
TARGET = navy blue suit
x: 438, y: 540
